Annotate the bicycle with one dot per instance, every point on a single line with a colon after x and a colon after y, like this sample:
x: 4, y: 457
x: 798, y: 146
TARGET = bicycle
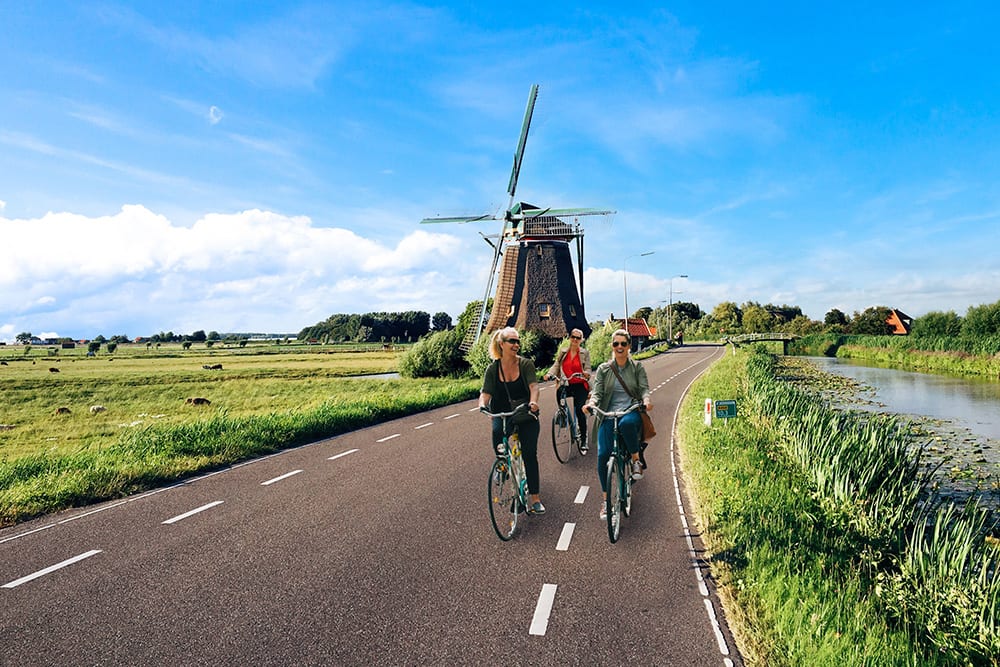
x: 508, y: 483
x: 618, y: 501
x: 565, y: 430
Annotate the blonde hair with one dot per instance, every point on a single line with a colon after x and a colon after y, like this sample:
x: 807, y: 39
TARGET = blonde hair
x: 578, y: 332
x: 499, y: 336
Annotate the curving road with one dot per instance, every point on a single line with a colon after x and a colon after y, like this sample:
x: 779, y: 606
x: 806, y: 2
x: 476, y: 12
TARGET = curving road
x: 373, y: 548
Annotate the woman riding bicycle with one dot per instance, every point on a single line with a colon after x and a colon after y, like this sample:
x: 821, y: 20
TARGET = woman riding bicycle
x: 615, y: 391
x: 570, y: 361
x: 508, y: 382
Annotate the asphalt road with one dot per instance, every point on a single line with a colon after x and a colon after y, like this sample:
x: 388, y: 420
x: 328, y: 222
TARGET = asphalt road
x: 374, y: 547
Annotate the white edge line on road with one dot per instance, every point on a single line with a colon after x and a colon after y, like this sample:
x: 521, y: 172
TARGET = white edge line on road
x: 417, y: 428
x: 337, y: 456
x: 51, y: 568
x: 565, y: 537
x: 389, y: 437
x: 540, y: 621
x: 475, y: 409
x: 452, y: 416
x: 181, y: 517
x: 280, y: 477
x: 581, y: 495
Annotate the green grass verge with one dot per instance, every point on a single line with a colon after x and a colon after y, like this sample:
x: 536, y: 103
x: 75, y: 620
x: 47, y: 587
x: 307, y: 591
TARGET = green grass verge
x: 813, y: 575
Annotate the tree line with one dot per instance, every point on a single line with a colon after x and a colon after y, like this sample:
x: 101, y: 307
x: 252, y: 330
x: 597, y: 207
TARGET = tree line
x: 384, y: 327
x: 728, y: 318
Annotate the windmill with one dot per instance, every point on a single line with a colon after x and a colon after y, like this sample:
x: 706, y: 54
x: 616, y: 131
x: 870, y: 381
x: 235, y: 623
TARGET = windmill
x: 537, y: 289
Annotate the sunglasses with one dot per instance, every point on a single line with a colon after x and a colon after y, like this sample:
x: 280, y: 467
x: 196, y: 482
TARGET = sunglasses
x: 577, y: 337
x: 513, y: 341
x: 619, y: 343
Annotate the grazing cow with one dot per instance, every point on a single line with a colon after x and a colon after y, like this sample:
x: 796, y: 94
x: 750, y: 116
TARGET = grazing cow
x: 62, y: 411
x: 197, y: 400
x: 212, y: 367
x: 94, y: 409
x: 3, y: 363
x: 53, y: 369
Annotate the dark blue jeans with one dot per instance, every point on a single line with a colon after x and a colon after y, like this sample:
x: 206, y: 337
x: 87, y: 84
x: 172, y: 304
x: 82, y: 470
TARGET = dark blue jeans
x: 528, y: 433
x: 629, y: 430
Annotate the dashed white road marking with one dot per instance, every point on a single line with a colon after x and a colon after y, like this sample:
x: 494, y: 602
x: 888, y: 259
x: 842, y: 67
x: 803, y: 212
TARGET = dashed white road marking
x: 389, y: 437
x: 540, y: 621
x: 565, y: 537
x: 581, y: 495
x: 451, y: 417
x: 417, y: 428
x: 337, y: 456
x: 57, y: 566
x: 181, y: 517
x: 280, y: 477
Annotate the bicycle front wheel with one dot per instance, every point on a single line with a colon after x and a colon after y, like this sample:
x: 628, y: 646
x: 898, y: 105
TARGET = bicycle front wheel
x: 613, y: 502
x: 562, y: 440
x: 503, y: 499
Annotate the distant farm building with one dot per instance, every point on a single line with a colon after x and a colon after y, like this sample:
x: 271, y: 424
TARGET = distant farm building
x: 899, y: 322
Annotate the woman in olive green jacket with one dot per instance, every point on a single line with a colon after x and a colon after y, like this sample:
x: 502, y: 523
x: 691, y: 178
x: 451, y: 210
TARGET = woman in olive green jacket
x: 609, y: 395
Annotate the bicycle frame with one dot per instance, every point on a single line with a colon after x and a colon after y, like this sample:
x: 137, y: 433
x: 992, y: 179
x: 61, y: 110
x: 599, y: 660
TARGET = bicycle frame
x: 618, y: 478
x: 568, y: 417
x: 507, y: 468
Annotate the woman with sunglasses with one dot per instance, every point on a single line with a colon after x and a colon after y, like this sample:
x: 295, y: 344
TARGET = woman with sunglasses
x: 571, y: 360
x: 611, y: 394
x: 510, y: 381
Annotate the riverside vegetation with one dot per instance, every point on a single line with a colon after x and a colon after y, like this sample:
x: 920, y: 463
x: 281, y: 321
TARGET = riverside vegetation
x: 827, y: 535
x: 263, y: 398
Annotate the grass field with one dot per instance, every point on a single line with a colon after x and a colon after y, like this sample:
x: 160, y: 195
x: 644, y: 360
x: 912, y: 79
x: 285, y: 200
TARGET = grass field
x: 140, y: 387
x: 262, y: 399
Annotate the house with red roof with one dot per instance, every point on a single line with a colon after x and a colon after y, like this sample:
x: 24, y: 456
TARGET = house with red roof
x: 637, y: 328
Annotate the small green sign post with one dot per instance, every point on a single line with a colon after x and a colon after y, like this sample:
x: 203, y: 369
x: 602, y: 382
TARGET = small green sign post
x: 725, y: 409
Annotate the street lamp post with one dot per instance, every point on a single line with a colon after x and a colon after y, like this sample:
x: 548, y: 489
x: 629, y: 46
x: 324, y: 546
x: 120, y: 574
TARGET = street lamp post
x: 625, y: 281
x: 670, y: 309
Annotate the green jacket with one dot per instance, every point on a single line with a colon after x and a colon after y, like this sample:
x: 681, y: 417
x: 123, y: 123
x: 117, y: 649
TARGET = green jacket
x: 603, y: 382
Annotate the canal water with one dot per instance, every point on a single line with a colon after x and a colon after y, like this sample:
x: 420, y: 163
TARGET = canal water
x: 962, y: 414
x: 970, y: 403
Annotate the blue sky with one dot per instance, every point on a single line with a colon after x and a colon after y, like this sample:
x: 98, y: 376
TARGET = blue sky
x: 237, y: 166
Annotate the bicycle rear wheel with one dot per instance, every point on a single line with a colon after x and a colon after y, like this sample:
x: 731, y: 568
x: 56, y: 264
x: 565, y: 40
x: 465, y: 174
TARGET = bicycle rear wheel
x: 503, y: 499
x: 562, y: 440
x: 613, y: 502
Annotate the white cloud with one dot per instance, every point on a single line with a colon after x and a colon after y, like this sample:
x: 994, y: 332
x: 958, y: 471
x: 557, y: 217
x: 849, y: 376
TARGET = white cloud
x: 137, y: 273
x: 214, y: 115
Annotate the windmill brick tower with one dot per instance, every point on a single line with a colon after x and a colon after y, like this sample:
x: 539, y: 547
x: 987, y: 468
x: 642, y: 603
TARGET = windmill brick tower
x: 537, y: 288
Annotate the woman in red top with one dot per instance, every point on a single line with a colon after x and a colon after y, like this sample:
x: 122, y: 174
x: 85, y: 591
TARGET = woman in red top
x: 574, y: 359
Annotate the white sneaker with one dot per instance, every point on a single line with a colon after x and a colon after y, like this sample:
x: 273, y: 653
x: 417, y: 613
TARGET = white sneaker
x: 604, y: 512
x: 636, y: 470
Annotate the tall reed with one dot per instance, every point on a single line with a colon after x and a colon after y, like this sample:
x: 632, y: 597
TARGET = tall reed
x: 929, y: 561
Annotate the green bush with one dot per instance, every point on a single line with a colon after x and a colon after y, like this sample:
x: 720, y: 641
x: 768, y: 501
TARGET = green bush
x: 436, y: 355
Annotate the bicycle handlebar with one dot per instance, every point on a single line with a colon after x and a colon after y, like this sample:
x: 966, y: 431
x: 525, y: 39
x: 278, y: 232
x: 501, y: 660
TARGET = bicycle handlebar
x: 519, y: 409
x: 616, y: 413
x: 566, y: 380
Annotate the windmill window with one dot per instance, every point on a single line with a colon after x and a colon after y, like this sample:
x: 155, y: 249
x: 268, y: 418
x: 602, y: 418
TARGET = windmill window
x: 544, y: 310
x: 510, y: 311
x: 572, y: 311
